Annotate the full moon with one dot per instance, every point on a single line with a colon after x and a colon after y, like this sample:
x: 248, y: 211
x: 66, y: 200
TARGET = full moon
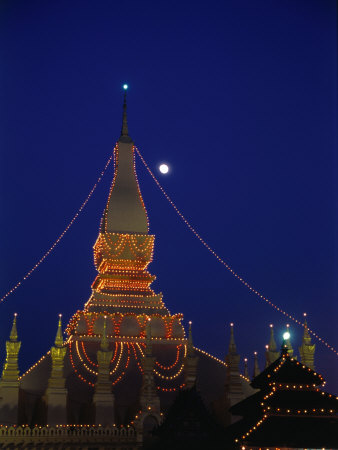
x: 164, y: 168
x: 286, y: 336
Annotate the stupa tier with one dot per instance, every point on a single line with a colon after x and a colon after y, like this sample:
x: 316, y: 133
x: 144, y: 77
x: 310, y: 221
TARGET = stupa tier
x: 123, y: 282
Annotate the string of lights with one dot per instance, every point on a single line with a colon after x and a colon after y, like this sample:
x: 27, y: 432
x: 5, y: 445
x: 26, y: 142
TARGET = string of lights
x: 227, y: 266
x: 163, y: 367
x: 51, y: 248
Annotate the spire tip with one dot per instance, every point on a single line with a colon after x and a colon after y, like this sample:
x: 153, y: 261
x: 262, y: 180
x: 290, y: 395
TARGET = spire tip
x: 124, y: 131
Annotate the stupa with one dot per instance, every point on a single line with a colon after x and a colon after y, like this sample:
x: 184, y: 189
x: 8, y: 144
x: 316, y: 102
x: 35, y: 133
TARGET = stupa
x: 125, y: 356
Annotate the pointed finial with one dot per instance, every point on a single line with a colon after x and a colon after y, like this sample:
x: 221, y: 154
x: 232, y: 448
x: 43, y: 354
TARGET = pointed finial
x: 124, y: 131
x: 272, y: 343
x: 232, y: 344
x: 305, y: 320
x: 13, y: 337
x: 59, y: 339
x: 306, y: 335
x: 256, y: 366
x: 287, y: 339
x: 104, y: 340
x: 246, y: 370
x: 307, y: 349
x: 267, y: 359
x: 190, y: 342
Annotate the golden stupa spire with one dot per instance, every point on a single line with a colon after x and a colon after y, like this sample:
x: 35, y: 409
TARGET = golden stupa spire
x: 256, y: 366
x: 246, y: 370
x: 272, y: 342
x: 190, y: 348
x: 307, y: 349
x: 11, y: 370
x: 13, y: 337
x: 271, y: 353
x: 59, y: 338
x: 306, y: 335
x: 232, y: 344
x: 288, y: 341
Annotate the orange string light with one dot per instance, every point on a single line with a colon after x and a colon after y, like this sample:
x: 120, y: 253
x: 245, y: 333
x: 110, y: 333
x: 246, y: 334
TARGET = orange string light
x: 226, y: 265
x: 29, y: 273
x: 163, y: 367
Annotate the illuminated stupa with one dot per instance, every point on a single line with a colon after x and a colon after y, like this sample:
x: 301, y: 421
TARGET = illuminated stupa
x: 126, y: 356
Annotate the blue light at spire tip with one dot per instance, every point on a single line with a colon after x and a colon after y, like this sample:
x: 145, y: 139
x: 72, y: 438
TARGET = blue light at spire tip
x: 125, y: 87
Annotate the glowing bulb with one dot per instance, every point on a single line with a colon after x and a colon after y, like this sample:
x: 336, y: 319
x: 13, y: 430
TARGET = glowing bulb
x: 286, y: 336
x: 125, y: 87
x: 164, y: 168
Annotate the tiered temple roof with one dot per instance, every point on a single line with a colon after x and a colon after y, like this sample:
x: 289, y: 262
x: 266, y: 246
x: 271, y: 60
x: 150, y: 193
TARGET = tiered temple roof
x: 290, y: 409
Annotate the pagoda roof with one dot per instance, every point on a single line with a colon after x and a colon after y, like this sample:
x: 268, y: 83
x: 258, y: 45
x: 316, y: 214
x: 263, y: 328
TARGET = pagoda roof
x: 287, y: 370
x: 290, y: 397
x: 302, y: 399
x: 293, y: 432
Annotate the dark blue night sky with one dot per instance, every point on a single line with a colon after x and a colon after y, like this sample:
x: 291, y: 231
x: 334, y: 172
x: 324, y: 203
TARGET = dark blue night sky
x: 240, y: 98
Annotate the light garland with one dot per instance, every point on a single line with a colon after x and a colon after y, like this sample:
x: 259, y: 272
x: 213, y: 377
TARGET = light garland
x: 119, y: 358
x: 87, y: 357
x: 171, y: 389
x: 93, y: 372
x: 29, y: 273
x: 172, y: 377
x: 227, y: 266
x: 314, y: 411
x: 174, y: 363
x: 136, y: 358
x: 219, y: 361
x: 33, y: 366
x: 75, y: 369
x: 125, y: 368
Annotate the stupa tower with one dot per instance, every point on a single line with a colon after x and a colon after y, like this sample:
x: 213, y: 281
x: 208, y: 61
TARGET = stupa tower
x: 121, y: 293
x: 122, y: 253
x: 124, y: 247
x: 110, y: 358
